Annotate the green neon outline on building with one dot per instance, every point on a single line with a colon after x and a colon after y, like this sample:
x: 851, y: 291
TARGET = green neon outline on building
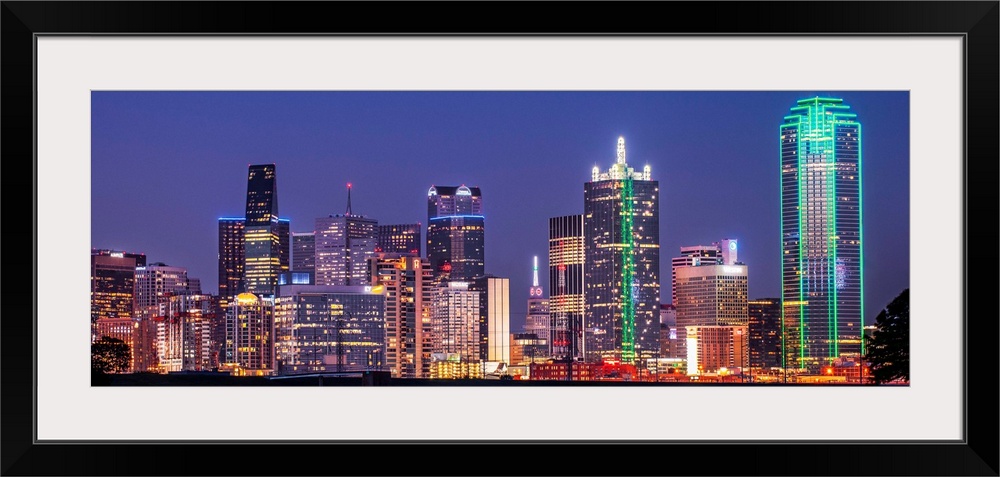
x: 628, y: 278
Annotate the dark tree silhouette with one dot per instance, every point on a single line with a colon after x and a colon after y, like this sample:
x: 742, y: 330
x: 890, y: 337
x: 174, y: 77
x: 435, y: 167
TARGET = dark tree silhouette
x: 109, y: 355
x: 887, y: 349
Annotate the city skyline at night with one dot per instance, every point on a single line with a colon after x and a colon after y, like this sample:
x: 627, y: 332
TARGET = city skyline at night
x: 166, y: 166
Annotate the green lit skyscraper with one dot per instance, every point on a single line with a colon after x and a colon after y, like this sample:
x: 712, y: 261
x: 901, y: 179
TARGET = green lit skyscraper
x: 621, y: 239
x: 821, y: 233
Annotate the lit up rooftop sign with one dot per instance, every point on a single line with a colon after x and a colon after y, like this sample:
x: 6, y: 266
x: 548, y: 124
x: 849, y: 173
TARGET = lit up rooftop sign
x: 733, y: 270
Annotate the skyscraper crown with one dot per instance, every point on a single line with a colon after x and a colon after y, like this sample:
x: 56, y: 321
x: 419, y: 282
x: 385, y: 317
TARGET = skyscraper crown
x: 620, y: 169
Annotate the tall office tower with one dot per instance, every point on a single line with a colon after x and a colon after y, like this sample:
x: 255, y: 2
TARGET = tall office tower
x: 709, y: 295
x: 262, y: 233
x: 455, y: 232
x: 494, y: 317
x: 344, y: 244
x: 304, y: 251
x: 232, y: 257
x: 284, y: 230
x: 112, y: 285
x: 537, y: 319
x: 455, y: 323
x: 764, y: 327
x: 321, y: 328
x: 621, y: 226
x: 403, y: 239
x: 183, y: 333
x: 566, y: 252
x: 409, y: 290
x: 821, y: 233
x: 248, y: 348
x: 157, y: 282
x: 692, y: 256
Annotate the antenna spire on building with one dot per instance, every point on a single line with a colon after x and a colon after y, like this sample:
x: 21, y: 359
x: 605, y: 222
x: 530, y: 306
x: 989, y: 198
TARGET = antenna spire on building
x: 534, y: 279
x: 348, y: 199
x: 621, y: 150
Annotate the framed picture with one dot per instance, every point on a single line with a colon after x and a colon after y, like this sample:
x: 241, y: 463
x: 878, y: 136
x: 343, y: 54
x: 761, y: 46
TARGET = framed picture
x: 64, y: 61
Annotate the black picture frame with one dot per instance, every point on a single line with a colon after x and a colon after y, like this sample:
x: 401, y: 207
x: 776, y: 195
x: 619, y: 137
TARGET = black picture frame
x: 977, y: 22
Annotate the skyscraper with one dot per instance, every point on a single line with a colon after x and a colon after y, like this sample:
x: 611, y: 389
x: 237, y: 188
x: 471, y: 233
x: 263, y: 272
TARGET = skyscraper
x: 157, y: 282
x: 537, y: 319
x: 304, y: 251
x: 722, y: 252
x: 403, y: 239
x: 455, y: 232
x: 262, y: 242
x: 566, y: 252
x: 344, y: 244
x: 455, y: 323
x: 764, y: 326
x: 409, y: 290
x: 249, y: 340
x: 494, y: 317
x: 622, y: 263
x: 232, y: 258
x: 821, y: 233
x: 710, y: 295
x: 112, y: 285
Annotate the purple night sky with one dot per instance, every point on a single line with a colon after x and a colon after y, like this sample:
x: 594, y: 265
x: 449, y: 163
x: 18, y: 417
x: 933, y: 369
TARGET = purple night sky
x: 167, y: 165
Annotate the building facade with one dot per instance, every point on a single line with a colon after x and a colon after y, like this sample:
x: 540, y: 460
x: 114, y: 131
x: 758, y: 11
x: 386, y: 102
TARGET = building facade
x: 112, y: 285
x: 709, y: 295
x: 456, y: 232
x: 183, y: 340
x: 248, y: 347
x: 455, y: 325
x: 409, y: 291
x: 157, y: 282
x: 262, y: 238
x: 403, y: 239
x: 566, y: 263
x: 335, y: 329
x: 304, y: 251
x: 821, y: 233
x: 344, y: 244
x: 494, y: 317
x: 764, y: 328
x: 622, y: 263
x: 716, y: 349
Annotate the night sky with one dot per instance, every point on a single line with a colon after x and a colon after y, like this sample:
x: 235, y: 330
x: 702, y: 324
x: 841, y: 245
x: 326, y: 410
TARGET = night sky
x: 167, y: 165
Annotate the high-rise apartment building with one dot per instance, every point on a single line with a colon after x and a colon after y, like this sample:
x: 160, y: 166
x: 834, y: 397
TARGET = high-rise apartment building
x: 709, y: 295
x: 456, y: 232
x: 344, y: 244
x: 112, y: 285
x: 566, y: 261
x: 821, y: 233
x: 157, y: 282
x: 409, y: 290
x: 403, y: 239
x: 249, y: 341
x: 183, y: 327
x: 622, y: 263
x: 262, y: 233
x: 456, y: 321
